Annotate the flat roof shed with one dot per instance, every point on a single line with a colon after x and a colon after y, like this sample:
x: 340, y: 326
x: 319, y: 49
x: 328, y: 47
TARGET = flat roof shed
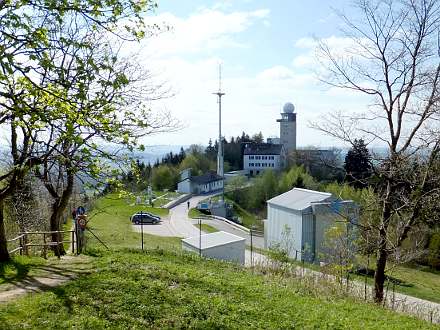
x: 219, y: 245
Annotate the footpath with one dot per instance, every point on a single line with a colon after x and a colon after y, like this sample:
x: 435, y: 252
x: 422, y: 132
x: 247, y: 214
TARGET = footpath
x: 43, y: 277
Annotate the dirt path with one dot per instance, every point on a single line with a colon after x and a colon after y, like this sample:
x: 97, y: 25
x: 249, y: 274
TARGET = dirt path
x: 43, y: 277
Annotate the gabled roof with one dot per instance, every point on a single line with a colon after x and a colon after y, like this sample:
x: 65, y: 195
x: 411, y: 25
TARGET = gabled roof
x: 263, y: 149
x: 299, y: 199
x: 206, y: 178
x: 211, y: 240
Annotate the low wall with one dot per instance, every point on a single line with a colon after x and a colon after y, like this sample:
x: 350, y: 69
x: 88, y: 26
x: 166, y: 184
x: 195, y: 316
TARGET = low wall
x: 177, y: 201
x: 232, y: 223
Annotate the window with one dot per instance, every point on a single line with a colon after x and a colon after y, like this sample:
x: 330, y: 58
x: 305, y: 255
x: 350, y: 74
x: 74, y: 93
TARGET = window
x: 251, y: 157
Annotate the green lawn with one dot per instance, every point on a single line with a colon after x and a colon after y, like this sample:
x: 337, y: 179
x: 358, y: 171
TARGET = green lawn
x: 165, y: 288
x: 160, y: 289
x: 194, y: 213
x: 110, y: 221
x: 208, y: 229
x: 416, y: 281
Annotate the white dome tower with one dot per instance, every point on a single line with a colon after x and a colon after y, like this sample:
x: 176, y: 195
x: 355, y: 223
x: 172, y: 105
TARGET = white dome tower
x: 288, y: 127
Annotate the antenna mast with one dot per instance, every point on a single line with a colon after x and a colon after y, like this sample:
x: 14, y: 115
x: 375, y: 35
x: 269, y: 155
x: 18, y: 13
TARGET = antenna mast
x: 220, y: 155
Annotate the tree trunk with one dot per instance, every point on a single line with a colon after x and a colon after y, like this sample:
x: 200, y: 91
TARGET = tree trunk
x: 382, y: 253
x: 379, y: 275
x: 55, y: 222
x: 58, y: 207
x: 4, y: 254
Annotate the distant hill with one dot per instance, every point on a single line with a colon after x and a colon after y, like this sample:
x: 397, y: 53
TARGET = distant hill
x: 152, y: 153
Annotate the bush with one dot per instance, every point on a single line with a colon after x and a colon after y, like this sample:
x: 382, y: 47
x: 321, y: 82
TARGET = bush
x: 434, y: 251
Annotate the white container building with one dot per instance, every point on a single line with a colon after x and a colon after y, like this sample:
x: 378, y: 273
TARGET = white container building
x: 219, y: 245
x: 297, y: 221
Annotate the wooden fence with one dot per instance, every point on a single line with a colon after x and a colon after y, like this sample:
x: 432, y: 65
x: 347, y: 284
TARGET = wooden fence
x: 24, y: 242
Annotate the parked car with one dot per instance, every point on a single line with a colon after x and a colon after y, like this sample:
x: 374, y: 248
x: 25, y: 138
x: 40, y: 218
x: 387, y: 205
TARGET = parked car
x: 144, y: 217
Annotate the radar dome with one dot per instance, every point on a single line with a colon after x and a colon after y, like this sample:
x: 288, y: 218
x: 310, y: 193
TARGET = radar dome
x: 288, y: 108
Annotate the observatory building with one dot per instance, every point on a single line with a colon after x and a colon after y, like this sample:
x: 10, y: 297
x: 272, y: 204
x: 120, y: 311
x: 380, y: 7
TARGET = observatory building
x: 288, y: 128
x: 272, y: 155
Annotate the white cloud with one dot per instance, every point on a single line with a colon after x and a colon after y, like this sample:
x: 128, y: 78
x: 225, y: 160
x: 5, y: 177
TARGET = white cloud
x: 187, y: 58
x: 205, y: 30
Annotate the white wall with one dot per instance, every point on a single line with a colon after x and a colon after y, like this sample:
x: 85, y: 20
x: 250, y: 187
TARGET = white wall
x: 278, y: 219
x: 261, y: 163
x: 288, y: 135
x: 184, y: 187
x: 233, y: 252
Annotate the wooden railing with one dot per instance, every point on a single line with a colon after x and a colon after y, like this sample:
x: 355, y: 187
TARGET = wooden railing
x: 24, y: 242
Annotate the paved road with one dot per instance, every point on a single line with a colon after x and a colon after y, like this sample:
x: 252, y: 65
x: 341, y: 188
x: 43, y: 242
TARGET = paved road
x: 177, y: 223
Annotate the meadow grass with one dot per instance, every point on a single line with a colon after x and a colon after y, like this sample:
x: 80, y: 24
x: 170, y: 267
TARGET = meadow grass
x: 163, y: 289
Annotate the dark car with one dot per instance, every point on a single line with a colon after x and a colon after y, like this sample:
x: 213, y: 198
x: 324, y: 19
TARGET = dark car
x: 144, y: 217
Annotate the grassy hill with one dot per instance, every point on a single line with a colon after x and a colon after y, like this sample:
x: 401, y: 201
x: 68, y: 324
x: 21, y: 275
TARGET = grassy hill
x: 165, y: 288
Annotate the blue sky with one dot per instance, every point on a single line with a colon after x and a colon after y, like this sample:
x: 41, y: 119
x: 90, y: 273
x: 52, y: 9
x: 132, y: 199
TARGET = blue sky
x: 268, y: 55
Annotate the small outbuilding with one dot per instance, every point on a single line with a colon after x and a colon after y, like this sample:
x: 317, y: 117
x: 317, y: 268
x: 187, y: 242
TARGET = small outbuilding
x: 297, y: 222
x: 219, y: 245
x: 201, y: 184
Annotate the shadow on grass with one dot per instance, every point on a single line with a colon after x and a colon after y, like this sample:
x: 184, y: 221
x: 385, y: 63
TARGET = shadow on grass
x: 12, y: 271
x: 44, y: 277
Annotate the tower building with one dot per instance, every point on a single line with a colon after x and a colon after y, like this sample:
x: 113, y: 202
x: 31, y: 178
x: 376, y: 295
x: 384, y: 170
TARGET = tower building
x: 288, y: 127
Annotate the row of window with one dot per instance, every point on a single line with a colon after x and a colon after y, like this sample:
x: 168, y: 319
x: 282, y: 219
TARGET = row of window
x: 262, y: 157
x: 261, y: 164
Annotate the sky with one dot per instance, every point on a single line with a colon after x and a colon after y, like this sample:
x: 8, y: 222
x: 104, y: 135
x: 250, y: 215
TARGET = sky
x: 267, y: 51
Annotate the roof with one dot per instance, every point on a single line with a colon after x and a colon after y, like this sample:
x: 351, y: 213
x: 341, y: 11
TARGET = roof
x: 263, y: 149
x: 299, y: 199
x: 218, y: 238
x: 206, y: 178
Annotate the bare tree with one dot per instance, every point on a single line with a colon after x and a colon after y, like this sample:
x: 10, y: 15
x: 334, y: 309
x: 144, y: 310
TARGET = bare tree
x: 392, y: 56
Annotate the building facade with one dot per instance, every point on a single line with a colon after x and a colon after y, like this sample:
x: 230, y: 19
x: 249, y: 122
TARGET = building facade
x: 297, y: 222
x: 202, y: 184
x: 258, y: 157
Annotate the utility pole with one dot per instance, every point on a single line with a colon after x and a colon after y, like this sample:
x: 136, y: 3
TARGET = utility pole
x: 220, y: 154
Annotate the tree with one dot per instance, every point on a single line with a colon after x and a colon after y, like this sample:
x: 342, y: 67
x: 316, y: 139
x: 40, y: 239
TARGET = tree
x: 358, y: 164
x: 393, y: 58
x: 164, y: 177
x: 28, y: 32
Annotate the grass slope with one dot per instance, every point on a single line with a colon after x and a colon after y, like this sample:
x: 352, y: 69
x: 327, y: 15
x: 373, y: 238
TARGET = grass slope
x: 163, y: 290
x: 110, y: 221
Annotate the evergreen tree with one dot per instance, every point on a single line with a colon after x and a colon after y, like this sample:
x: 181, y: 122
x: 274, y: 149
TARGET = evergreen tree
x: 358, y: 164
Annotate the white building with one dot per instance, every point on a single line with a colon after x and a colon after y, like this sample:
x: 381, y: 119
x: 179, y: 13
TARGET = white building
x: 201, y: 184
x: 297, y: 221
x: 258, y: 157
x: 219, y: 245
x: 288, y: 128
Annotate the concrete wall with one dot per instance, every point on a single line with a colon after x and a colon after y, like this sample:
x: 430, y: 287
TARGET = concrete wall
x: 232, y: 252
x: 308, y: 235
x: 184, y: 187
x: 278, y: 219
x: 288, y: 135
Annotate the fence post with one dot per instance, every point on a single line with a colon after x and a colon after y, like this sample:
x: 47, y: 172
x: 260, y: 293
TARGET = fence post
x: 20, y: 241
x: 73, y: 242
x: 252, y: 252
x: 25, y: 244
x: 58, y: 244
x: 44, y: 246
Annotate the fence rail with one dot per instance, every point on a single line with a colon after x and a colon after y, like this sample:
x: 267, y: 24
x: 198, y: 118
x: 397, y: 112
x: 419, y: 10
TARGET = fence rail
x: 24, y: 244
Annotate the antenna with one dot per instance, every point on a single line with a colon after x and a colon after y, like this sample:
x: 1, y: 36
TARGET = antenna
x: 220, y: 164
